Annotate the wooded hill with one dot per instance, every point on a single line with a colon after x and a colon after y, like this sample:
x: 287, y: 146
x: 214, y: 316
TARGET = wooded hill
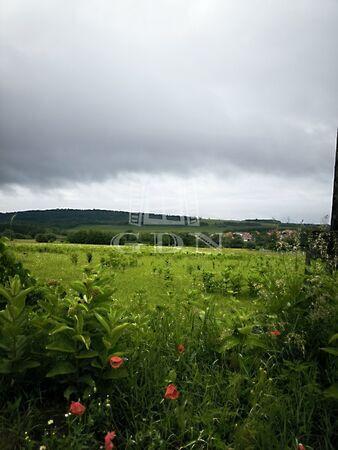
x: 63, y: 220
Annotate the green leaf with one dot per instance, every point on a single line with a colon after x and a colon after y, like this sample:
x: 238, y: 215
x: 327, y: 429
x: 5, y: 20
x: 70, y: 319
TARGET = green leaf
x: 24, y: 365
x: 96, y: 364
x: 4, y: 315
x: 19, y: 300
x: 246, y: 330
x: 85, y: 355
x: 106, y: 343
x: 117, y: 332
x: 61, y: 368
x: 82, y: 306
x: 332, y: 391
x: 18, y: 307
x: 331, y: 350
x: 231, y: 342
x: 60, y: 329
x: 255, y: 341
x: 171, y: 378
x: 79, y: 323
x: 84, y: 339
x: 115, y: 374
x: 103, y: 322
x: 78, y: 286
x: 333, y: 338
x: 15, y: 284
x: 64, y: 347
x: 5, y: 294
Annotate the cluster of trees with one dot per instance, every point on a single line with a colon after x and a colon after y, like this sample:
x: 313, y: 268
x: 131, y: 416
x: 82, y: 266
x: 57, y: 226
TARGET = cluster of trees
x: 28, y: 232
x: 45, y: 237
x: 20, y: 230
x: 260, y: 240
x: 10, y: 234
x: 89, y: 237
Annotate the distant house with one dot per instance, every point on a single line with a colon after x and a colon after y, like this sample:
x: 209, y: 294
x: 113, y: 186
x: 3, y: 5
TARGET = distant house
x: 245, y: 235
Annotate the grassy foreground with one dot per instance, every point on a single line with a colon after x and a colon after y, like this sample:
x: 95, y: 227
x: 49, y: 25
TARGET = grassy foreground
x: 243, y: 336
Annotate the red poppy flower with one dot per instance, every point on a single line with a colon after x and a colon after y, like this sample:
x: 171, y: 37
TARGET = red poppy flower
x: 116, y: 362
x: 275, y: 333
x: 180, y: 348
x: 109, y: 437
x: 301, y: 447
x: 77, y: 408
x: 171, y: 392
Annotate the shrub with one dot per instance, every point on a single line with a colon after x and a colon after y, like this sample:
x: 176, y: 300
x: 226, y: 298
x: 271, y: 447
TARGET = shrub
x: 45, y: 237
x: 9, y: 266
x: 16, y: 335
x: 74, y: 258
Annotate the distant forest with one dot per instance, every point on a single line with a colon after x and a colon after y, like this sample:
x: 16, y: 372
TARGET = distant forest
x: 66, y: 219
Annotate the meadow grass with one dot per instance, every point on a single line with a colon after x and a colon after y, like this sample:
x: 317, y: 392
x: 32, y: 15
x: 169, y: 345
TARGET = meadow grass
x: 154, y: 270
x: 240, y: 386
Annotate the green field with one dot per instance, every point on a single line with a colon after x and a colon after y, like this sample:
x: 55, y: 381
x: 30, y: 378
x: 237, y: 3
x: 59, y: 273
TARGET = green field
x: 252, y: 375
x: 184, y: 267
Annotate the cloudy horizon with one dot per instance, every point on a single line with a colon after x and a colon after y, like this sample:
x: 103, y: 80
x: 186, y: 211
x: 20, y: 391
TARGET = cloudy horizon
x: 227, y: 109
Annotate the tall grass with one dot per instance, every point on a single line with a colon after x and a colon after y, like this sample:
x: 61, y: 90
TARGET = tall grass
x: 240, y: 386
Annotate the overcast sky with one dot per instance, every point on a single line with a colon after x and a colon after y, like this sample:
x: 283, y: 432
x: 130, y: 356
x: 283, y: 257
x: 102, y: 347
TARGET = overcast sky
x: 224, y: 108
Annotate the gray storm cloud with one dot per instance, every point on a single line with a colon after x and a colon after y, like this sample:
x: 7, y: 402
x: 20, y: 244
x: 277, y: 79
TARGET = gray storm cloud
x: 92, y: 90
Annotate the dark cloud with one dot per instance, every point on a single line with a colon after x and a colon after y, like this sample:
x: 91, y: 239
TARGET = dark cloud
x: 89, y: 91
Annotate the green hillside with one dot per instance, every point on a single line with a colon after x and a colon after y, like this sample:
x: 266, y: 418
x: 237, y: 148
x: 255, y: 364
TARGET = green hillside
x: 64, y: 220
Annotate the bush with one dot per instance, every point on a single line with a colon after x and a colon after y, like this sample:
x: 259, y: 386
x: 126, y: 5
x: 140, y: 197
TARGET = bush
x: 45, y: 237
x: 70, y: 339
x: 9, y: 266
x: 74, y: 258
